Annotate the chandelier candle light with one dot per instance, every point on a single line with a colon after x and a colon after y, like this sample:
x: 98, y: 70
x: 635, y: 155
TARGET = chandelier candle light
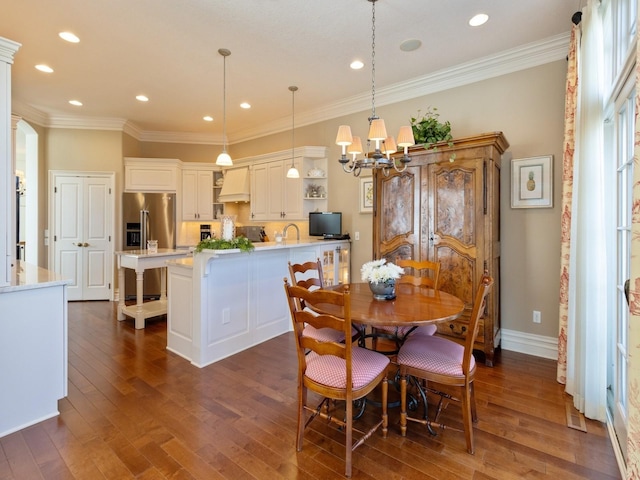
x: 385, y: 145
x: 382, y: 278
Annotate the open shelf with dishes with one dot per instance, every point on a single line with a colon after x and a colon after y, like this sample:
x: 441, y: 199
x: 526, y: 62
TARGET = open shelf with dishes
x: 314, y: 185
x: 218, y: 207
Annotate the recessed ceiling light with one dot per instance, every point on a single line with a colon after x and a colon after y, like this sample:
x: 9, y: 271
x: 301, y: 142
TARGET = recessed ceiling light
x: 69, y: 37
x: 479, y: 19
x: 410, y: 45
x: 44, y: 68
x: 77, y: 103
x: 356, y: 65
x: 142, y: 98
x: 245, y: 105
x: 207, y: 118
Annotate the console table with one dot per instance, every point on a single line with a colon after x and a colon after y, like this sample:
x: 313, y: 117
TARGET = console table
x: 141, y: 260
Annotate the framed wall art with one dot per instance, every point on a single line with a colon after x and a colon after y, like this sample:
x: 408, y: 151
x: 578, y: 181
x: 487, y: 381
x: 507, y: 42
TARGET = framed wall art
x: 366, y: 195
x: 532, y: 182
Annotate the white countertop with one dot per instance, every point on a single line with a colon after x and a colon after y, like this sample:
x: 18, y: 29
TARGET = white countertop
x: 26, y: 276
x: 162, y: 252
x: 259, y: 247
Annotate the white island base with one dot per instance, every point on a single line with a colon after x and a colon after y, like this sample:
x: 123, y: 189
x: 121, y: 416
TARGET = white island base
x: 33, y: 347
x: 221, y: 302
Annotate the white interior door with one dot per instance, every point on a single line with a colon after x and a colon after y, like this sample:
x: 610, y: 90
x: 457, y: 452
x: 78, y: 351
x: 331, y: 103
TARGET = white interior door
x: 83, y: 232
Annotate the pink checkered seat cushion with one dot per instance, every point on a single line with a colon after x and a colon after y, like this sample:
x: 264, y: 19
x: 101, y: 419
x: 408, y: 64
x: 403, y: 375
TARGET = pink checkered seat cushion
x: 402, y: 331
x: 331, y: 371
x: 426, y: 330
x: 433, y: 354
x: 393, y: 330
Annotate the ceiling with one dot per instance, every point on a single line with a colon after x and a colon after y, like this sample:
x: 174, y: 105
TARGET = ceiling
x: 168, y: 51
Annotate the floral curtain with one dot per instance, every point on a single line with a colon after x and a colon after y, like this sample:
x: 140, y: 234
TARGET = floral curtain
x: 583, y: 327
x: 567, y: 193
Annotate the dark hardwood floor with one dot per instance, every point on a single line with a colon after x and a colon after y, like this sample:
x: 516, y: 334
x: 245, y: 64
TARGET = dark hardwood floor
x: 135, y: 410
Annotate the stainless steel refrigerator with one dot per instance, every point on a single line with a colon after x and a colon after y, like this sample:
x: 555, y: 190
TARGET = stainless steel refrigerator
x: 147, y: 216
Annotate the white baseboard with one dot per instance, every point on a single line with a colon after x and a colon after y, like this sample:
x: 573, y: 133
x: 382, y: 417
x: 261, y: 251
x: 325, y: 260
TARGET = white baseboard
x: 537, y: 345
x: 616, y: 446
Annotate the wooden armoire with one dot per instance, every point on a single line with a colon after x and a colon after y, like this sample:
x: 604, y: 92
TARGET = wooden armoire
x: 448, y: 211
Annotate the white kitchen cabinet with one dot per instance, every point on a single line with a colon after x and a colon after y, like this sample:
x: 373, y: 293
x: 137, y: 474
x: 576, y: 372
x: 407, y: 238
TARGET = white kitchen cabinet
x: 197, y: 193
x: 151, y: 174
x: 276, y: 197
x: 273, y: 195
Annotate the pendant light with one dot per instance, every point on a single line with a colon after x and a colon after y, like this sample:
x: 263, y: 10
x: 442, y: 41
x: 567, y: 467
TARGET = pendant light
x: 224, y: 159
x: 293, y: 171
x: 384, y: 146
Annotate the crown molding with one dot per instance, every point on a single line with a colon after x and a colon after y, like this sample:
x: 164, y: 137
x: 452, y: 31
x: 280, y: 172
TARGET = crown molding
x: 181, y: 137
x: 8, y: 48
x: 509, y: 61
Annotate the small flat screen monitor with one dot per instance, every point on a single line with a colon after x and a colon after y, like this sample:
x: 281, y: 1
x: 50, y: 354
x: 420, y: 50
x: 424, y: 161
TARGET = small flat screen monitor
x: 325, y: 224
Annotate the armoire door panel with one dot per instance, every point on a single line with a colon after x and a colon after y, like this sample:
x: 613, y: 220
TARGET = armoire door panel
x: 398, y: 207
x: 456, y: 192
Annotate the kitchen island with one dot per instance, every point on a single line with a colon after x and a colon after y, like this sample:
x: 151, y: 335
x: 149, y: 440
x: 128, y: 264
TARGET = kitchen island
x: 33, y: 346
x: 221, y: 302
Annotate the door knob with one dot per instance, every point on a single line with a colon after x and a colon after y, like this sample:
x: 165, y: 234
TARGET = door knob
x: 85, y: 244
x: 435, y: 239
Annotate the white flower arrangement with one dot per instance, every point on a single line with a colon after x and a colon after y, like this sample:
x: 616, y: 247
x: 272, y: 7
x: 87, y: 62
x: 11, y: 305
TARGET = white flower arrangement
x: 379, y: 271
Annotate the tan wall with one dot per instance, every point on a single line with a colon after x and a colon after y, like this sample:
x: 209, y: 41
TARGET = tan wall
x: 528, y: 106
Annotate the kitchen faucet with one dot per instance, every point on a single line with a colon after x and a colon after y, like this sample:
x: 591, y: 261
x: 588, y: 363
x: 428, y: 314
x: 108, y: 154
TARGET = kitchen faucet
x: 284, y: 231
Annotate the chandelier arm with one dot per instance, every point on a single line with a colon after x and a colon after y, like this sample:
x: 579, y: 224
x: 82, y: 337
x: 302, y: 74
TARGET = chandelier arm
x: 395, y: 167
x: 348, y: 168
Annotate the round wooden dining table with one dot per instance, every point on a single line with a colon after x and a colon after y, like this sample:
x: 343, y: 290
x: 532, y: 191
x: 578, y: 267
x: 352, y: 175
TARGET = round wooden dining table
x: 412, y: 306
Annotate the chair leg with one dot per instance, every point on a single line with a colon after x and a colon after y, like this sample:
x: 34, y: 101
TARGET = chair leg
x: 465, y: 398
x: 474, y: 412
x: 349, y: 438
x: 385, y: 415
x: 403, y: 405
x: 302, y: 401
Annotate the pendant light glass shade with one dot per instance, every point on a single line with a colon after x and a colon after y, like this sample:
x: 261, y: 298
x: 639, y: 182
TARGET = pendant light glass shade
x: 224, y: 159
x: 293, y: 171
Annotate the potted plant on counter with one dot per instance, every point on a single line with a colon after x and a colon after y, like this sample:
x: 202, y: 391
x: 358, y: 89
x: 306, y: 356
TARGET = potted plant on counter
x: 241, y: 243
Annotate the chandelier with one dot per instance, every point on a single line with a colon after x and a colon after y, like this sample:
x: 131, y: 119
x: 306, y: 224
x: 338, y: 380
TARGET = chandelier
x: 383, y: 145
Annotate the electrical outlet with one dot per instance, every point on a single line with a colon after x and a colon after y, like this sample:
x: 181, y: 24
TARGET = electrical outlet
x: 357, y: 234
x: 536, y: 317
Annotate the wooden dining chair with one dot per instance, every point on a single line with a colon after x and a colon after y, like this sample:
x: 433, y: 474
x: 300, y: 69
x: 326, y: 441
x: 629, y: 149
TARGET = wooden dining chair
x: 333, y: 370
x: 421, y: 274
x: 310, y: 276
x: 444, y: 362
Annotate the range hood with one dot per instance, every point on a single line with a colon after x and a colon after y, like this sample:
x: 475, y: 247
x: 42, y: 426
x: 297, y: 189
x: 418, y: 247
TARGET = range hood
x: 236, y: 186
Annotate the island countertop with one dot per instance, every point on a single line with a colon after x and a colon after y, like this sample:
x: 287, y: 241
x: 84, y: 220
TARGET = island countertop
x: 25, y: 276
x: 259, y: 247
